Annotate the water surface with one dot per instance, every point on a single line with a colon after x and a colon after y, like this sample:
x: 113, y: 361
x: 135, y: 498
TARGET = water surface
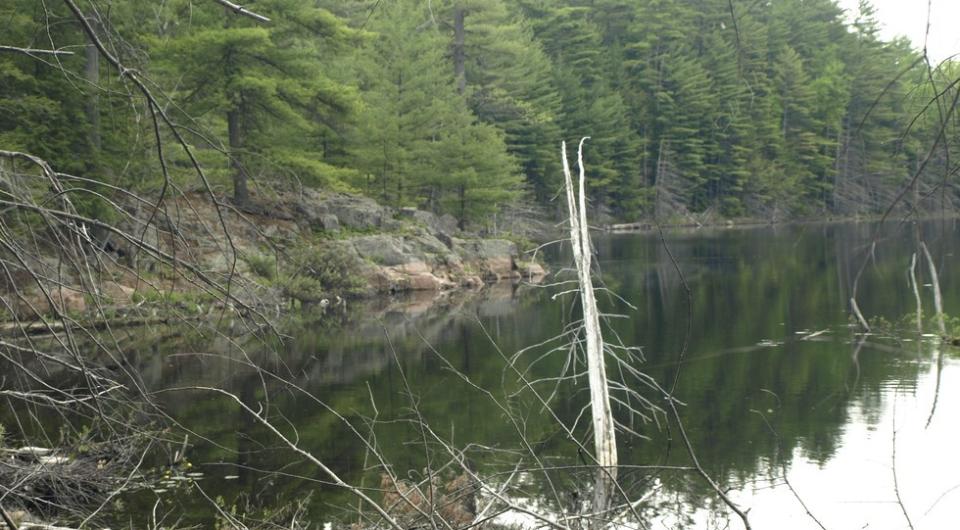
x: 779, y: 390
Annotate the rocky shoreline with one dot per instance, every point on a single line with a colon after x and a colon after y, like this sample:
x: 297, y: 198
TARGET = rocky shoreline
x: 393, y: 250
x: 354, y: 247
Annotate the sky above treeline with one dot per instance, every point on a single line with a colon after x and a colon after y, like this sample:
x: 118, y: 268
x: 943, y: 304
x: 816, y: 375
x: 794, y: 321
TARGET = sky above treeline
x: 909, y: 18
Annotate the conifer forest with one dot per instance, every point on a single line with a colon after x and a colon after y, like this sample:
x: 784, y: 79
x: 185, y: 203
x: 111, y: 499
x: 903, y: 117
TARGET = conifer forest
x: 772, y: 110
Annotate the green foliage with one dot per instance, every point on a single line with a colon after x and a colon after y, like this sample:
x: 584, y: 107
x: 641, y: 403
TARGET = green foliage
x: 319, y: 271
x: 783, y: 110
x: 263, y: 86
x: 262, y: 265
x: 952, y: 324
x: 416, y: 140
x: 191, y: 302
x: 41, y: 109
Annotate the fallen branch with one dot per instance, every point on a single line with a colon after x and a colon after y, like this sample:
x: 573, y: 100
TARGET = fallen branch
x: 40, y: 327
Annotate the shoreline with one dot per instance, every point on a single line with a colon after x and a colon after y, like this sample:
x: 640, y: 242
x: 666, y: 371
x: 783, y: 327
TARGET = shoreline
x: 317, y: 250
x: 651, y: 226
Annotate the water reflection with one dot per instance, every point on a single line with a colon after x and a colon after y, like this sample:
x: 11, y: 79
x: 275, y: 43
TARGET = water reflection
x: 759, y: 397
x: 775, y: 380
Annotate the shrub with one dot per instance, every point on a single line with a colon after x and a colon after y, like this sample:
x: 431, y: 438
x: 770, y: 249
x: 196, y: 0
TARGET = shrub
x: 320, y: 272
x: 262, y: 265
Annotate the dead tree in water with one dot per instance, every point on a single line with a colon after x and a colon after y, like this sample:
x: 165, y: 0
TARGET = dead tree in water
x: 604, y: 435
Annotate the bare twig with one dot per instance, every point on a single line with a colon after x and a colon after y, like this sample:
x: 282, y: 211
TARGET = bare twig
x: 33, y: 51
x: 783, y: 467
x: 893, y: 466
x: 672, y: 402
x: 306, y: 454
x: 240, y: 10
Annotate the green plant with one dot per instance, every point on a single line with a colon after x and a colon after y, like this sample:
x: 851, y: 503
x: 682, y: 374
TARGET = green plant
x: 320, y: 272
x: 264, y: 266
x: 952, y: 325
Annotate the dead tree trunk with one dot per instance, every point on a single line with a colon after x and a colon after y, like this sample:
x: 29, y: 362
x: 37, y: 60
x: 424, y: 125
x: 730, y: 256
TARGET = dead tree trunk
x: 912, y: 278
x: 937, y: 296
x: 604, y: 435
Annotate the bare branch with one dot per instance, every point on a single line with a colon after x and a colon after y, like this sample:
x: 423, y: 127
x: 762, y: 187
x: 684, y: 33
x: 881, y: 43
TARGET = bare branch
x: 32, y: 51
x: 306, y: 454
x: 240, y: 10
x: 893, y: 466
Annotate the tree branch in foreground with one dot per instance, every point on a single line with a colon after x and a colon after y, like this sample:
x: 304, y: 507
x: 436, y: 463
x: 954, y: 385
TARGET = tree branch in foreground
x: 240, y: 10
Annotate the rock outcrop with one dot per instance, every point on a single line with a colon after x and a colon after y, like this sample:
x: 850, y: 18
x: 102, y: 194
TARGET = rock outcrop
x: 412, y: 249
x: 381, y: 249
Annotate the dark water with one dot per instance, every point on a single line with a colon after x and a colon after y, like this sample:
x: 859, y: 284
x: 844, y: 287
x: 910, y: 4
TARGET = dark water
x: 763, y: 399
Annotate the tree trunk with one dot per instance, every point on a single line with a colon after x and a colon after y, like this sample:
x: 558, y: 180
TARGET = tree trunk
x: 91, y: 73
x: 461, y: 223
x: 459, y: 53
x: 937, y: 296
x: 604, y: 435
x: 657, y: 185
x: 241, y: 195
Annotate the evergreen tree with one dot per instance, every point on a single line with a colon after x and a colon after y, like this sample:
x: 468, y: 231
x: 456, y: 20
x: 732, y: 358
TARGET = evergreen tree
x: 764, y: 109
x: 508, y: 81
x: 416, y: 139
x: 264, y: 82
x: 41, y: 108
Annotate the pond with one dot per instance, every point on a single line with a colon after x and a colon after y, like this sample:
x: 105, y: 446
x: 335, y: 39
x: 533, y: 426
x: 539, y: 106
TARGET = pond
x: 788, y: 407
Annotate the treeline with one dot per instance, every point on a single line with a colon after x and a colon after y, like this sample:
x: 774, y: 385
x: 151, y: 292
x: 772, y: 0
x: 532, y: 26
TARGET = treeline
x: 773, y: 109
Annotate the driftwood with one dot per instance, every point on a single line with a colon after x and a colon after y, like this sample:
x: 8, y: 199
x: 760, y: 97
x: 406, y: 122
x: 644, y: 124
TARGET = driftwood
x: 50, y: 484
x: 11, y: 521
x: 39, y: 327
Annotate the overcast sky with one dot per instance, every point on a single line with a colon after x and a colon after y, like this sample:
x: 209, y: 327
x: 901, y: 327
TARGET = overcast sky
x: 909, y: 18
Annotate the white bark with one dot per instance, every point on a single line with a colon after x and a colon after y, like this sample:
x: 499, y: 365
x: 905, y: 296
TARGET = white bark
x: 604, y: 437
x: 859, y: 315
x: 912, y: 276
x: 937, y: 297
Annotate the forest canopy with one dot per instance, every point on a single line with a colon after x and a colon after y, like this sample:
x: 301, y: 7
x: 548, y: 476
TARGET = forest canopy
x: 776, y: 109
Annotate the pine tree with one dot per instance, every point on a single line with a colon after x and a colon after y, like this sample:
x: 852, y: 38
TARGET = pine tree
x: 257, y: 80
x: 592, y: 106
x: 41, y: 110
x: 416, y: 139
x: 508, y: 81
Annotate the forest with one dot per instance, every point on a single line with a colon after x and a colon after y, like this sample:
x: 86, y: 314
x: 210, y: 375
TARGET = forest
x: 284, y: 264
x: 767, y: 110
